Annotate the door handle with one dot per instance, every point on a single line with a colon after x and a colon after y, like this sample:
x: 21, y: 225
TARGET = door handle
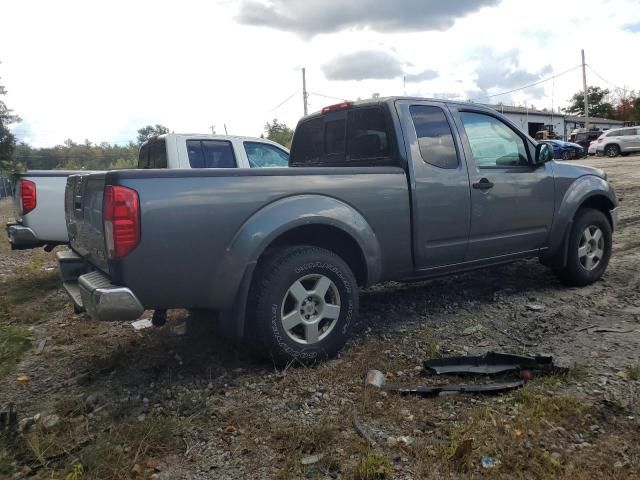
x: 483, y: 184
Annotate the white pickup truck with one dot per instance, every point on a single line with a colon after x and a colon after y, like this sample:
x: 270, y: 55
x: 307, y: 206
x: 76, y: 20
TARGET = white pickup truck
x: 39, y: 194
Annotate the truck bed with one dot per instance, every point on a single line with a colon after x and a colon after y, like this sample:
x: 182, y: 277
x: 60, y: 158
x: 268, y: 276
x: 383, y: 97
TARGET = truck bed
x: 189, y: 219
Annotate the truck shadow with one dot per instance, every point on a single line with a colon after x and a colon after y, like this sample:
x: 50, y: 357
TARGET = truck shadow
x: 158, y: 354
x: 400, y: 304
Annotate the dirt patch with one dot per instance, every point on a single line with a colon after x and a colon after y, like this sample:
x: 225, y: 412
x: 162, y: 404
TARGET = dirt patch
x: 156, y: 404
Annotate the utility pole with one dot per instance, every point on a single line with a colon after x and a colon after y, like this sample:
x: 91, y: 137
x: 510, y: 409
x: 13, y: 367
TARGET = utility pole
x: 225, y: 129
x: 213, y: 129
x: 586, y: 93
x: 305, y: 95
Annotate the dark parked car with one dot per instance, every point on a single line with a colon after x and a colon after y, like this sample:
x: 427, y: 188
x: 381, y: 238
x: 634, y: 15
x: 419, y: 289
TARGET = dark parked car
x: 378, y: 190
x: 565, y: 150
x: 584, y: 137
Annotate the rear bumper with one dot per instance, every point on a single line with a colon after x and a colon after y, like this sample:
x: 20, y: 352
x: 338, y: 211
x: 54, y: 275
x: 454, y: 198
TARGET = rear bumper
x: 94, y: 292
x: 21, y: 237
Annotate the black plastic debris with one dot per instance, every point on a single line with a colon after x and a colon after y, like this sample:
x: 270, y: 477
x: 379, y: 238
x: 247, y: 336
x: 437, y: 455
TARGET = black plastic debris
x: 489, y: 364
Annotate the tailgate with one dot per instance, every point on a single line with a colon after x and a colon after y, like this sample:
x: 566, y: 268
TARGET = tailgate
x: 83, y: 208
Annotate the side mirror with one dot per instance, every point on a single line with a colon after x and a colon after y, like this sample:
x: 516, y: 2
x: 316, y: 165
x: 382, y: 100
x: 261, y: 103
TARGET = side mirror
x: 543, y: 154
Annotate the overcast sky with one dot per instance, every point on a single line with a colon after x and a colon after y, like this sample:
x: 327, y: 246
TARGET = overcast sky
x: 79, y: 69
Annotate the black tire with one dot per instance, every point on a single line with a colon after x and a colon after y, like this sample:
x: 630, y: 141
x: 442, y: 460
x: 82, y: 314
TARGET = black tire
x: 271, y: 296
x: 575, y: 273
x: 612, y: 150
x: 566, y: 155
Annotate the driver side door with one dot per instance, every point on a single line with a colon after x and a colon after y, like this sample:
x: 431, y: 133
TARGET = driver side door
x: 512, y: 202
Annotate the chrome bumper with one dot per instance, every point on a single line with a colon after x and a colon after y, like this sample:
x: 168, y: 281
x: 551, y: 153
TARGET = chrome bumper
x: 21, y: 237
x: 94, y: 292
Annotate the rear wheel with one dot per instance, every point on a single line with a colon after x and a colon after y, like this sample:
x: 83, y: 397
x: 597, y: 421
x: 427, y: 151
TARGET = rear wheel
x: 589, y: 248
x: 304, y: 302
x: 566, y: 155
x: 612, y: 150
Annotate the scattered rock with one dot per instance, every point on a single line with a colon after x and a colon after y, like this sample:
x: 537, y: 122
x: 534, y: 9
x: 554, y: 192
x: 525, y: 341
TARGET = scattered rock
x: 473, y: 329
x: 50, y: 421
x: 535, y: 307
x: 93, y: 400
x: 136, y: 470
x: 311, y: 459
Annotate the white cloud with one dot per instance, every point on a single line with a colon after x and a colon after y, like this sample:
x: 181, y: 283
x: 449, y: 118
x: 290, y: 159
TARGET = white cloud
x: 101, y: 70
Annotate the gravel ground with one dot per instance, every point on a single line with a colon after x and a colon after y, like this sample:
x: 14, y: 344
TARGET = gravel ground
x: 224, y: 414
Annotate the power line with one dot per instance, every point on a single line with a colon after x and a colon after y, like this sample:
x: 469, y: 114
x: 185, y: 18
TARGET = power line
x: 604, y: 79
x: 328, y: 96
x: 531, y: 84
x: 284, y: 101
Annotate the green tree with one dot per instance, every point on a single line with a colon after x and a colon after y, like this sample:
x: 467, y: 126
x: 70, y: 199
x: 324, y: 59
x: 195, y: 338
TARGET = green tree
x: 279, y: 133
x: 149, y: 131
x: 7, y: 139
x: 598, y: 104
x: 636, y: 108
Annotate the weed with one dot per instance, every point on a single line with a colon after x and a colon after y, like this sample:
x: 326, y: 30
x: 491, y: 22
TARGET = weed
x: 295, y: 440
x: 633, y: 373
x: 17, y: 295
x: 14, y: 341
x: 430, y: 345
x: 373, y: 466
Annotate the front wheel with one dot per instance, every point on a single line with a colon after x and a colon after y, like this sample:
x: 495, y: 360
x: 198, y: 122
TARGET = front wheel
x: 566, y: 155
x: 304, y: 302
x: 589, y: 248
x: 612, y: 150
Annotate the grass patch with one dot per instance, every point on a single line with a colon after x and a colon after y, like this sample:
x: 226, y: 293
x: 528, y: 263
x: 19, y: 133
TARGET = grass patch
x: 294, y: 441
x: 14, y: 341
x: 633, y: 373
x: 83, y: 448
x: 373, y: 466
x: 519, y: 434
x: 22, y: 297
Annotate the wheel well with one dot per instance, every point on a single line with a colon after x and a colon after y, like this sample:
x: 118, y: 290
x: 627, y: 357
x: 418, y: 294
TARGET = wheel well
x: 599, y: 202
x: 329, y: 237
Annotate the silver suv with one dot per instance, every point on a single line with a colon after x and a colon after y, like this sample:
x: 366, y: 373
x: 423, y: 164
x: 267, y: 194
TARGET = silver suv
x: 620, y: 141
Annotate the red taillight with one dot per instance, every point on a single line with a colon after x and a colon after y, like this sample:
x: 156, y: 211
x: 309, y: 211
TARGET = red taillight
x: 121, y: 215
x: 337, y: 106
x: 28, y: 196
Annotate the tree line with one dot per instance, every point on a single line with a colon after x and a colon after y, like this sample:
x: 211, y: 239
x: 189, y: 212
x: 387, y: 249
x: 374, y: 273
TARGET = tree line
x: 620, y: 105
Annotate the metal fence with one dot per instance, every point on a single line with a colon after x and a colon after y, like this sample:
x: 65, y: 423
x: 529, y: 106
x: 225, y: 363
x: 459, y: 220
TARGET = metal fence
x: 6, y: 186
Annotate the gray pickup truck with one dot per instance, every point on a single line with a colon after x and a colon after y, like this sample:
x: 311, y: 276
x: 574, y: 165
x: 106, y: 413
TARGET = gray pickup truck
x: 387, y: 189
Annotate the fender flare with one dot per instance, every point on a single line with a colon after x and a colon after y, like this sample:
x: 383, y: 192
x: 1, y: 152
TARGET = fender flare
x: 580, y: 191
x: 277, y: 218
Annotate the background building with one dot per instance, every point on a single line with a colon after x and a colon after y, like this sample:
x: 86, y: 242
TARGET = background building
x: 533, y: 120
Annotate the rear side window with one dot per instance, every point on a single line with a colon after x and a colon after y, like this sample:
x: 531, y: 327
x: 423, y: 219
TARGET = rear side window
x: 153, y: 154
x: 434, y: 136
x: 210, y: 154
x: 630, y: 132
x: 308, y: 141
x: 367, y: 136
x: 143, y: 156
x: 357, y: 136
x: 334, y: 134
x: 158, y: 154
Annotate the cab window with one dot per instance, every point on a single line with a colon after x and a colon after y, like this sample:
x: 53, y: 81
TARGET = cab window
x: 262, y: 155
x: 492, y: 142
